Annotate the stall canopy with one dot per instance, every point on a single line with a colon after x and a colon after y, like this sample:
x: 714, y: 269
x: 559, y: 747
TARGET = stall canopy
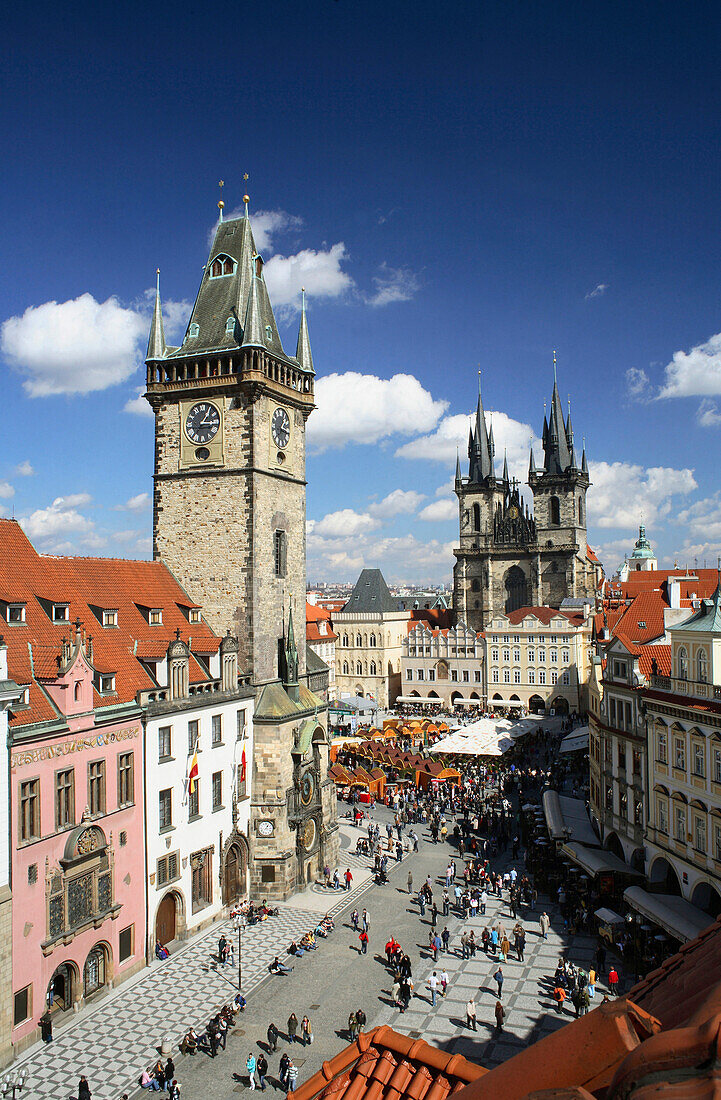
x: 675, y: 915
x: 576, y: 740
x: 419, y: 701
x: 478, y: 739
x: 567, y: 819
x: 595, y: 861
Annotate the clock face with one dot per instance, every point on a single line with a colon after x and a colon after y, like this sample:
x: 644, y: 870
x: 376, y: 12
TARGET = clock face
x: 307, y: 788
x: 513, y: 512
x: 309, y: 834
x: 202, y: 422
x: 280, y: 427
x: 265, y: 828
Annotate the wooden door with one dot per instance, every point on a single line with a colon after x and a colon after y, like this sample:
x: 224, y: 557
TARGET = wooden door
x: 165, y: 920
x: 232, y: 875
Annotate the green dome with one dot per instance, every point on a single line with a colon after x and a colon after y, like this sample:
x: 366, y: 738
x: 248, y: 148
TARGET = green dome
x: 642, y: 549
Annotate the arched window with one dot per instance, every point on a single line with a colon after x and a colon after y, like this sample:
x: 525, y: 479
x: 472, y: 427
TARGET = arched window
x: 495, y: 676
x: 78, y: 690
x: 345, y: 668
x: 475, y: 586
x: 373, y: 668
x: 555, y: 512
x: 506, y: 676
x: 515, y: 584
x: 531, y: 676
x: 553, y: 657
x: 702, y: 666
x: 541, y: 656
x: 345, y: 640
x: 565, y: 657
x: 580, y: 511
x: 531, y: 655
x: 193, y: 331
x: 494, y: 655
x: 221, y: 265
x: 358, y: 641
x: 506, y: 654
x: 372, y: 641
x: 476, y: 517
x: 682, y: 663
x: 516, y: 656
x: 230, y: 326
x: 359, y: 669
x: 542, y: 676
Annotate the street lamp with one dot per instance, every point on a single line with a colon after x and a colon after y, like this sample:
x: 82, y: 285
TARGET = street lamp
x: 633, y: 920
x: 240, y: 948
x: 14, y: 1086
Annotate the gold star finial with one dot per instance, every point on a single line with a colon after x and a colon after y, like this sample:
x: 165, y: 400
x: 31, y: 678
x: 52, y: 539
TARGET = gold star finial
x: 221, y: 204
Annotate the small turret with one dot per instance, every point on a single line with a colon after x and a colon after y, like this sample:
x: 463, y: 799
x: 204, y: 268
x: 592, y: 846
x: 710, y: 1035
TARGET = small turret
x: 253, y: 327
x: 458, y: 468
x: 156, y: 339
x: 302, y: 352
x: 531, y: 466
x: 505, y: 468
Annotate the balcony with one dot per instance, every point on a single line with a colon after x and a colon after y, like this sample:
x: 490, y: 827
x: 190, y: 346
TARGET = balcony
x: 695, y: 689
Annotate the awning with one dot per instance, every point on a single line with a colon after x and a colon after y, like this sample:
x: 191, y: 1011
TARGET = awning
x: 594, y: 861
x: 567, y: 819
x: 575, y: 741
x: 608, y: 916
x: 419, y: 701
x: 675, y: 915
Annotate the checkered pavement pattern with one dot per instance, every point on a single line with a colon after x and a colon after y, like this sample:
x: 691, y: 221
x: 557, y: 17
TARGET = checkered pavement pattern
x: 111, y: 1043
x: 527, y: 988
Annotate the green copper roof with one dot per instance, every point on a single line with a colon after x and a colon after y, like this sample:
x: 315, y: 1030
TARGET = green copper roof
x: 707, y: 620
x: 643, y: 548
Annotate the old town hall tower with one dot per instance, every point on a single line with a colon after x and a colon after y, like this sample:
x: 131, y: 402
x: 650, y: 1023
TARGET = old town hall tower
x: 508, y: 557
x: 229, y: 520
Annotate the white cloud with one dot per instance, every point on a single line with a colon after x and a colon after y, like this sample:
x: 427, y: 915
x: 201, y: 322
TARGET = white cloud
x: 702, y: 519
x: 61, y: 518
x: 345, y: 523
x: 318, y: 270
x: 24, y: 469
x: 611, y: 554
x: 638, y: 383
x: 362, y: 408
x: 137, y: 503
x: 144, y: 545
x: 124, y: 536
x: 399, y: 502
x: 708, y: 415
x: 175, y: 316
x: 440, y: 510
x: 393, y: 284
x: 78, y: 346
x: 695, y: 373
x: 597, y: 291
x: 621, y: 493
x: 266, y: 225
x: 452, y: 434
x: 6, y: 490
x: 402, y: 558
x: 138, y: 405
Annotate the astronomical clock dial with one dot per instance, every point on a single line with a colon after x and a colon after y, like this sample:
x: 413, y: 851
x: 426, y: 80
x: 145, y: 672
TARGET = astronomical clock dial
x: 307, y: 788
x: 280, y: 428
x: 309, y: 834
x: 202, y: 422
x: 265, y: 828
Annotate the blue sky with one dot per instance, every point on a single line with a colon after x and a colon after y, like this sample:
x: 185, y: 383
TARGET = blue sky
x: 458, y: 186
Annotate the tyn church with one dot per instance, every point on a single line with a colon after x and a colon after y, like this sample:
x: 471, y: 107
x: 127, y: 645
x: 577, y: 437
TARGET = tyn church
x: 508, y: 557
x: 229, y: 505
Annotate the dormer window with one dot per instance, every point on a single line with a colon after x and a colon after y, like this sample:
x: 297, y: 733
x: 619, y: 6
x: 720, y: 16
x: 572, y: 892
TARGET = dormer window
x: 110, y: 618
x: 269, y: 333
x: 230, y: 326
x: 155, y: 617
x: 61, y: 612
x: 193, y: 331
x: 16, y: 613
x: 106, y: 684
x: 194, y: 616
x: 221, y: 265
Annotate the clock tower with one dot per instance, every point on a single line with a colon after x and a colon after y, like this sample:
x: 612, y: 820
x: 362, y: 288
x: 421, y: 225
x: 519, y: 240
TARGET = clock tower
x: 229, y: 521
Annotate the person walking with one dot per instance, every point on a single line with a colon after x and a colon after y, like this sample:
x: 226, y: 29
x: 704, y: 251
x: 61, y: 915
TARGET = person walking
x: 364, y: 942
x: 353, y: 1027
x: 505, y: 948
x: 445, y: 937
x: 422, y: 903
x: 366, y: 920
x: 272, y: 1034
x: 434, y: 915
x: 348, y: 878
x: 410, y: 882
x: 500, y: 1015
x: 46, y: 1027
x: 471, y: 1014
x: 169, y: 1074
x: 360, y: 1019
x: 592, y: 983
x: 250, y: 1066
x: 261, y: 1065
x: 559, y: 996
x: 444, y: 981
x: 292, y: 1075
x: 613, y: 981
x: 498, y: 979
x: 84, y: 1092
x: 292, y: 1027
x: 283, y: 1071
x: 433, y: 986
x: 544, y: 924
x: 306, y: 1031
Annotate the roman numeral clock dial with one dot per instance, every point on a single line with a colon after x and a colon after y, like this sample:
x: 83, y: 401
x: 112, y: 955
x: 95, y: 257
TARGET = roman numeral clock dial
x: 202, y: 422
x: 280, y: 428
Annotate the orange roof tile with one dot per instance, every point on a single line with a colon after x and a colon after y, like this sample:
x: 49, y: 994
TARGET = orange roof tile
x: 544, y: 615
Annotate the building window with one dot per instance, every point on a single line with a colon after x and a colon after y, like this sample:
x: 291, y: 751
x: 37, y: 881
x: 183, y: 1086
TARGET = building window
x: 698, y: 760
x: 565, y: 656
x: 346, y: 671
x: 682, y: 660
x: 476, y: 517
x: 194, y: 615
x: 565, y: 678
x: 221, y: 265
x: 107, y: 685
x: 217, y: 790
x: 717, y: 765
x: 194, y: 800
x: 494, y: 656
x: 110, y: 618
x: 156, y: 616
x: 622, y: 756
x: 620, y: 670
x: 201, y: 864
x: 477, y: 676
x: 636, y: 755
x: 465, y: 676
x: 517, y: 656
x: 61, y: 612
x: 359, y: 668
x: 662, y: 747
x: 555, y: 512
x: 494, y: 676
x: 164, y: 743
x: 637, y: 811
x: 217, y: 729
x: 553, y: 657
x: 516, y: 675
x: 16, y: 613
x: 420, y: 675
x: 680, y: 754
x: 542, y: 676
x: 230, y: 326
x: 373, y: 670
x: 240, y: 725
x: 30, y: 809
x: 64, y: 798
x: 167, y: 869
x: 126, y: 943
x: 541, y: 656
x: 454, y: 675
x: 506, y: 676
x: 165, y: 809
x: 661, y: 816
x: 531, y: 676
x: 680, y: 831
x: 554, y: 677
x: 506, y: 655
x: 702, y: 666
x: 193, y: 735
x: 531, y: 656
x: 372, y: 641
x: 609, y: 797
x: 345, y: 641
x: 21, y: 1005
x: 431, y: 674
x: 96, y: 786
x: 193, y: 330
x: 699, y: 833
x: 717, y: 841
x: 279, y: 550
x: 126, y: 779
x: 409, y: 674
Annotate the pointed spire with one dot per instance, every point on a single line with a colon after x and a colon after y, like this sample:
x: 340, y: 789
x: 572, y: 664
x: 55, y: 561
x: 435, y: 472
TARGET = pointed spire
x: 458, y: 467
x: 156, y: 340
x: 555, y: 441
x: 253, y: 335
x: 491, y: 443
x: 531, y: 465
x: 291, y: 660
x: 505, y: 466
x: 470, y: 443
x: 584, y: 463
x: 481, y: 454
x: 302, y: 352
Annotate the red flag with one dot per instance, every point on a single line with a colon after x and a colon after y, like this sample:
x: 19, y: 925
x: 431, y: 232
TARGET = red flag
x: 242, y: 767
x: 193, y: 773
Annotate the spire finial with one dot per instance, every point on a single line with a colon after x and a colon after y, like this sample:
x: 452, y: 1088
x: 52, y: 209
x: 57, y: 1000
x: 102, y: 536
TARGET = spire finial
x: 302, y: 295
x: 221, y: 204
x: 554, y: 366
x: 157, y: 280
x: 479, y: 379
x: 246, y: 198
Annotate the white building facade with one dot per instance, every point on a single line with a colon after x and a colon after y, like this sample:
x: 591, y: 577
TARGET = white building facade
x: 442, y: 666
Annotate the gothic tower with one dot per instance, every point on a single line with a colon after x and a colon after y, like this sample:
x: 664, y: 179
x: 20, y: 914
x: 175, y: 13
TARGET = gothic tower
x: 231, y: 408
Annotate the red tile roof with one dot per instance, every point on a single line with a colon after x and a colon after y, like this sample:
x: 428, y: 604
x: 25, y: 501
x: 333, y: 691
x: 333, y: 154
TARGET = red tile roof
x: 642, y: 621
x: 89, y: 586
x: 661, y: 654
x: 544, y: 615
